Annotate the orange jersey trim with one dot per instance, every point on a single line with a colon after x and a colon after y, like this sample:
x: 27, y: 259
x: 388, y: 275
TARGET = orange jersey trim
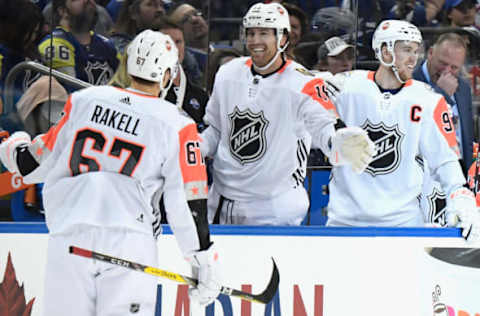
x: 136, y: 93
x: 444, y: 123
x: 288, y: 62
x: 315, y: 89
x: 191, y: 162
x: 50, y: 138
x: 249, y: 64
x: 371, y: 75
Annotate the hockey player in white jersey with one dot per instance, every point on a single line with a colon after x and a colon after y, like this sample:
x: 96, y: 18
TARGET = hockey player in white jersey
x: 104, y: 166
x: 262, y: 112
x: 405, y: 119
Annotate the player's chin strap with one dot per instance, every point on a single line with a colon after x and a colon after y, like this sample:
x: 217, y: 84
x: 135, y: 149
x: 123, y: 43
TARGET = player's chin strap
x: 164, y: 91
x: 392, y: 65
x: 280, y: 50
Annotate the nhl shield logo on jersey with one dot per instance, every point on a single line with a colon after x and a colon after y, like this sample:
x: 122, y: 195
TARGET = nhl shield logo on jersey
x: 247, y: 135
x: 387, y: 142
x: 98, y: 73
x: 437, y: 203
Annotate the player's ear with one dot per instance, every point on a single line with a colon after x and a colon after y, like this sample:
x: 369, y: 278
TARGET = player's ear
x: 430, y: 52
x: 284, y: 40
x: 387, y: 56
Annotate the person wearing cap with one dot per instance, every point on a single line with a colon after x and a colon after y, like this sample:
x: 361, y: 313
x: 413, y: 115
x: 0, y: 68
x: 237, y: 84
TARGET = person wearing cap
x: 460, y: 12
x: 335, y: 56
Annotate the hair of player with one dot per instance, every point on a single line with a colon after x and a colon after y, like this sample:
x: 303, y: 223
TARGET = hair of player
x: 143, y: 81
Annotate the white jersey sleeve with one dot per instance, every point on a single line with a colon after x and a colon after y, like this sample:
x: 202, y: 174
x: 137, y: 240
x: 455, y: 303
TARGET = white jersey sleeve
x: 178, y: 213
x: 403, y: 125
x: 439, y: 147
x: 210, y: 140
x: 314, y: 111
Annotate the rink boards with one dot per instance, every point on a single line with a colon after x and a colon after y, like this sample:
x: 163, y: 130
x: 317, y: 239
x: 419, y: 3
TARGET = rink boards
x: 323, y: 271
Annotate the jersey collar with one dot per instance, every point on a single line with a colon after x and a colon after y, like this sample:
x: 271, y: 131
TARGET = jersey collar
x: 279, y: 70
x: 371, y: 76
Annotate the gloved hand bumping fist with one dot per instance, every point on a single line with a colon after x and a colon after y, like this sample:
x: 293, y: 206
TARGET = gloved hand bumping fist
x: 205, y: 269
x: 462, y: 212
x: 8, y: 149
x: 351, y: 146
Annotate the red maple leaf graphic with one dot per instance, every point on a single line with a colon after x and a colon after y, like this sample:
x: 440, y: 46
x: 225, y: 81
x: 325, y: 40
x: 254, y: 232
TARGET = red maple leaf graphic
x: 12, y: 296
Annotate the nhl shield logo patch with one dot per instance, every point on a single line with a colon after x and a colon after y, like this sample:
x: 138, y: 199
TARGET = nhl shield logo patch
x: 437, y: 202
x: 387, y: 142
x: 247, y: 135
x: 98, y: 73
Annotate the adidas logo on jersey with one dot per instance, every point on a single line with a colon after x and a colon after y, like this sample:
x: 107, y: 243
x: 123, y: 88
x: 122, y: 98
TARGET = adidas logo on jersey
x: 126, y: 100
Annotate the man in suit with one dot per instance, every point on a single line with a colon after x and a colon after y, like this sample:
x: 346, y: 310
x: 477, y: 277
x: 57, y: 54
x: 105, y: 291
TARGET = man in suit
x: 441, y: 70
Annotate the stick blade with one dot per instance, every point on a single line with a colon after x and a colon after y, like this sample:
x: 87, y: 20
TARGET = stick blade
x: 267, y: 295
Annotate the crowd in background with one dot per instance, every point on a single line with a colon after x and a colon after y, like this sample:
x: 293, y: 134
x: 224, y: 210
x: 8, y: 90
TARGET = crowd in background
x: 87, y: 39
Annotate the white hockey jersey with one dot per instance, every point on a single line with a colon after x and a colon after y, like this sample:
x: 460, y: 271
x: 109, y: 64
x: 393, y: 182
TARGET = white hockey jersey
x: 111, y: 156
x: 413, y: 122
x: 258, y: 128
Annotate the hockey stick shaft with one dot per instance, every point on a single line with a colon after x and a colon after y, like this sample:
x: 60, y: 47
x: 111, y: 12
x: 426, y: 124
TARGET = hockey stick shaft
x: 264, y: 297
x: 477, y: 162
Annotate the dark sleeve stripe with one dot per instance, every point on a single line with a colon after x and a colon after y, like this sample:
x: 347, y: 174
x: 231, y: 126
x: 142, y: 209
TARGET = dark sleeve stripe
x: 25, y: 161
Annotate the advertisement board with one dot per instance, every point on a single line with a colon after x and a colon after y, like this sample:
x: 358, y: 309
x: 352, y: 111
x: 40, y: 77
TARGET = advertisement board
x: 323, y: 272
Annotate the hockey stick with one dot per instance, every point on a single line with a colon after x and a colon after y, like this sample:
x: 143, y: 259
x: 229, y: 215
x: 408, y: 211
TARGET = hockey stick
x: 265, y: 297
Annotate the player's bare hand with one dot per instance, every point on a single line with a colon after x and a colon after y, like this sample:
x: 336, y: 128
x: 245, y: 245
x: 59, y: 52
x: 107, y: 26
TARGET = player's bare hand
x: 448, y: 83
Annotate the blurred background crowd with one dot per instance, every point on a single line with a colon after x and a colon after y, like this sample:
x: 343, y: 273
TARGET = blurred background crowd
x: 86, y: 40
